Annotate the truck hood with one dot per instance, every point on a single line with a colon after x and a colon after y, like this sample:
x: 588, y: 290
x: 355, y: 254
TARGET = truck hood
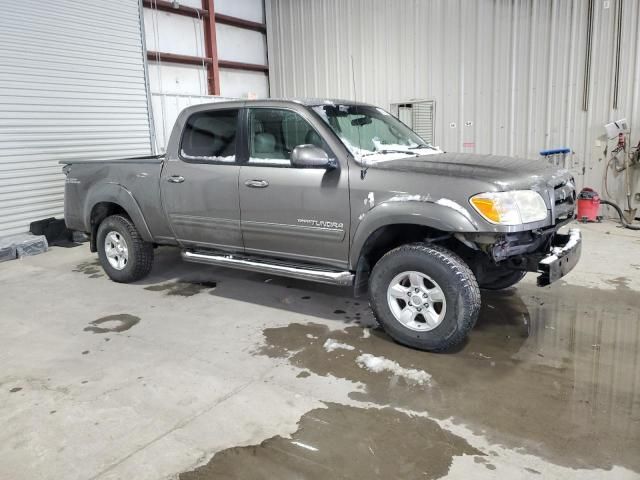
x: 505, y: 173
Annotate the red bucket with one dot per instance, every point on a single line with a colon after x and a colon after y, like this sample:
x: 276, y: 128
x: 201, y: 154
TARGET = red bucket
x: 588, y: 205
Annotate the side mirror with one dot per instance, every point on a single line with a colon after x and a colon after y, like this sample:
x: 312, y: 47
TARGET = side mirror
x: 310, y: 156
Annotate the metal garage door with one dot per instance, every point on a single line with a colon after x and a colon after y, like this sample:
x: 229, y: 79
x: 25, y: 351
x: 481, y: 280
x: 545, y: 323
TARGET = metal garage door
x: 72, y: 86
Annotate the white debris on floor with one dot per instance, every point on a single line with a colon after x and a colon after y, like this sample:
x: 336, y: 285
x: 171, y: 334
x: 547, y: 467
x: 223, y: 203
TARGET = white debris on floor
x: 331, y: 345
x: 382, y: 364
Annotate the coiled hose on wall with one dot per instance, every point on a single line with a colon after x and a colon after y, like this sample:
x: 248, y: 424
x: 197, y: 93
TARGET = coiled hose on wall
x: 622, y: 219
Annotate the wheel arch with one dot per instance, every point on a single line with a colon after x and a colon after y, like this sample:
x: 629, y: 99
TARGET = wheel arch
x: 112, y: 199
x: 391, y: 224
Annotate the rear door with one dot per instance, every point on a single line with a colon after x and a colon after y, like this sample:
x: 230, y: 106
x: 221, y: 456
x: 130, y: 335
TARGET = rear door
x: 292, y: 213
x: 199, y: 182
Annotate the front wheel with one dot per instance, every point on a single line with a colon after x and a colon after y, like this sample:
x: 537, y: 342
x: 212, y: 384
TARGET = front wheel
x: 424, y: 296
x: 123, y: 254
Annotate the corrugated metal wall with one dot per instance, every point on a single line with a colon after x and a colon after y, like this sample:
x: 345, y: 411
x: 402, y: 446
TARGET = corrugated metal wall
x: 72, y: 86
x: 506, y: 75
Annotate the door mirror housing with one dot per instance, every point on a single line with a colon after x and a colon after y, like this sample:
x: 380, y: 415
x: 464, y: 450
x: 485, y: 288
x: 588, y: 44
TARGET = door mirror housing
x: 311, y: 156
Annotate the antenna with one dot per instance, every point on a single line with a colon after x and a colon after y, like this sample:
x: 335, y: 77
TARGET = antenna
x: 363, y: 170
x: 353, y: 80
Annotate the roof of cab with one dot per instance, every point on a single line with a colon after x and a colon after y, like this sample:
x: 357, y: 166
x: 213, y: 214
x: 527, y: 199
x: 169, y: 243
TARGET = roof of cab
x: 312, y: 102
x: 266, y: 102
x: 308, y: 102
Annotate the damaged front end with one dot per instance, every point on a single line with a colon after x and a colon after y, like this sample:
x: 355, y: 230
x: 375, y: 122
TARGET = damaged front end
x: 545, y: 251
x: 542, y: 249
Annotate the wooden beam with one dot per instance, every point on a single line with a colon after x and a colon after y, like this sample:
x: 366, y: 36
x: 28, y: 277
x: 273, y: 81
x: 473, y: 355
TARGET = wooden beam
x: 241, y: 23
x: 211, y: 48
x: 165, y: 6
x: 243, y: 66
x: 175, y: 58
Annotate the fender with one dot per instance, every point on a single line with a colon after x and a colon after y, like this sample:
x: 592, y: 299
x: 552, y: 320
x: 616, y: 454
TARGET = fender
x: 425, y: 213
x: 116, y: 193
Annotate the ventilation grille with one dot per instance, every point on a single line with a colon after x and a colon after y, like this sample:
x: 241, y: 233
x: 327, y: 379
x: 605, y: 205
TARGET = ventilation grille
x: 419, y: 115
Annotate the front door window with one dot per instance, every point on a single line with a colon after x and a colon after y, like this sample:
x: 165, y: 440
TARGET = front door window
x: 274, y: 133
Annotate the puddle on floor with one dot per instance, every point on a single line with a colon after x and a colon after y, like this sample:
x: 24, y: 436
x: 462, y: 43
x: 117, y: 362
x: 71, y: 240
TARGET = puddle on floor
x: 91, y: 268
x: 344, y: 442
x: 112, y: 323
x: 555, y: 371
x: 182, y: 288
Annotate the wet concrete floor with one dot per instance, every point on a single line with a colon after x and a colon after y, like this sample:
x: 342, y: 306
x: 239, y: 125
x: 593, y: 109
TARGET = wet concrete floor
x: 551, y: 372
x: 209, y: 373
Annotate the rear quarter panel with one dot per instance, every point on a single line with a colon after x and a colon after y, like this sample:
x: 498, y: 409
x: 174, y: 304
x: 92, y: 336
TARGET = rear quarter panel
x: 134, y: 185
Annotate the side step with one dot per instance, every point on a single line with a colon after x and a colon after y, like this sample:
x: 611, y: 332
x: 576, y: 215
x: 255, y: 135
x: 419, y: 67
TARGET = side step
x: 332, y: 277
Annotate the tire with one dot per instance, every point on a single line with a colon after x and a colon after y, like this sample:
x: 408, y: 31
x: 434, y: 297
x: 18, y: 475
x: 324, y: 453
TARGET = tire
x: 436, y: 267
x: 139, y: 254
x: 509, y: 279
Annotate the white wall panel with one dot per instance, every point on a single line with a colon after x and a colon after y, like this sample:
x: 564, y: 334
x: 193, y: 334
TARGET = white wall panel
x: 247, y: 9
x: 243, y: 84
x: 241, y: 45
x: 72, y: 86
x: 191, y: 3
x: 177, y: 79
x: 169, y: 33
x: 506, y: 75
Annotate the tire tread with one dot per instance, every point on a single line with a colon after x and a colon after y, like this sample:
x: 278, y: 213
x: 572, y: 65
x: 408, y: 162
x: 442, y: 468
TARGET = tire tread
x: 466, y: 280
x: 142, y: 250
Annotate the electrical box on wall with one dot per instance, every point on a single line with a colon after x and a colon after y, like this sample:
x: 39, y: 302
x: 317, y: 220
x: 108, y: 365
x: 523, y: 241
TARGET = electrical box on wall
x: 613, y: 129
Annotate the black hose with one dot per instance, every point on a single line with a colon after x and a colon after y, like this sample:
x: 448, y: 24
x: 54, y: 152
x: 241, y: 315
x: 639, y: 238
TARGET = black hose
x: 622, y: 219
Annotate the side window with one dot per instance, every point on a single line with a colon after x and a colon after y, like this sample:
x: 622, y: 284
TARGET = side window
x: 273, y: 134
x: 210, y: 136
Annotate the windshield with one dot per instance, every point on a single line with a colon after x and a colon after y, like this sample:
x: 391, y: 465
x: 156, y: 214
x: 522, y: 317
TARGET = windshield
x: 372, y: 134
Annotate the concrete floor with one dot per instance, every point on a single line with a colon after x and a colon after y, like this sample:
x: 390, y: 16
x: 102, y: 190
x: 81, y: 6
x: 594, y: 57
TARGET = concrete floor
x: 209, y: 373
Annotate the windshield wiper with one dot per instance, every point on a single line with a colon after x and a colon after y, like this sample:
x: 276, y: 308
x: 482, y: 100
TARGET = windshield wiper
x: 389, y: 151
x: 422, y: 145
x: 365, y: 166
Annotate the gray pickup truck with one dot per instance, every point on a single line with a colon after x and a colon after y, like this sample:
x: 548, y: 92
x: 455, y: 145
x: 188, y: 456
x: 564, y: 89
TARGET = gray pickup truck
x: 336, y: 192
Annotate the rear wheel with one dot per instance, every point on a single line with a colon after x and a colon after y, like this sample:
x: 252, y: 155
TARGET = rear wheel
x: 424, y: 296
x: 123, y: 254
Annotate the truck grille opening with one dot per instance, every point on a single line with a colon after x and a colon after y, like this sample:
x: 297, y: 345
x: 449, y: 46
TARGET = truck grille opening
x: 564, y: 199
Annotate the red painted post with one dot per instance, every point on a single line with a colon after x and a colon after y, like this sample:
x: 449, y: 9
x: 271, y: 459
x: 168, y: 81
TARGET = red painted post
x: 211, y: 48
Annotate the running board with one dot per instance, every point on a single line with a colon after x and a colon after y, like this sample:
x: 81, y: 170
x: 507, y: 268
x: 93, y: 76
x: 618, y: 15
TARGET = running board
x: 312, y: 274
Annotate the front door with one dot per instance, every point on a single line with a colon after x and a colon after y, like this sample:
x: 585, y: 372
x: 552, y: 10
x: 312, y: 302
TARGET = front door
x: 293, y: 213
x: 200, y: 186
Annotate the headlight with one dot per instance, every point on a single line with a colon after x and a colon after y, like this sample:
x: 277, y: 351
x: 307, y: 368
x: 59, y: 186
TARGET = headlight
x: 510, y: 208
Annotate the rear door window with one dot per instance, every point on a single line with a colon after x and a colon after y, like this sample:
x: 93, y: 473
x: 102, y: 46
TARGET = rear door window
x: 210, y: 137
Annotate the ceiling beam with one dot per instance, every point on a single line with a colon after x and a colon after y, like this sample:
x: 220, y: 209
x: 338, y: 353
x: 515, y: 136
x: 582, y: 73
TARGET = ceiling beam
x: 200, y: 61
x: 175, y: 58
x: 243, y: 66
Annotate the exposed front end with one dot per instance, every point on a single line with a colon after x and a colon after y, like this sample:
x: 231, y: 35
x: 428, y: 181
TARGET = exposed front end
x: 539, y: 249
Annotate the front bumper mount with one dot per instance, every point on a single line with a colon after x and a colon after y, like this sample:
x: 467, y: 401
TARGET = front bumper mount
x: 564, y: 255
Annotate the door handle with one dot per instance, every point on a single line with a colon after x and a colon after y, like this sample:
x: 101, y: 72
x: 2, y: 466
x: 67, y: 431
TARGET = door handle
x: 175, y: 179
x: 256, y: 183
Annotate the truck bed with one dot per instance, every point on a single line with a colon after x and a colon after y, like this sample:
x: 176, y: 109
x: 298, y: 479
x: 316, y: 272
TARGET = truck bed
x: 132, y: 183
